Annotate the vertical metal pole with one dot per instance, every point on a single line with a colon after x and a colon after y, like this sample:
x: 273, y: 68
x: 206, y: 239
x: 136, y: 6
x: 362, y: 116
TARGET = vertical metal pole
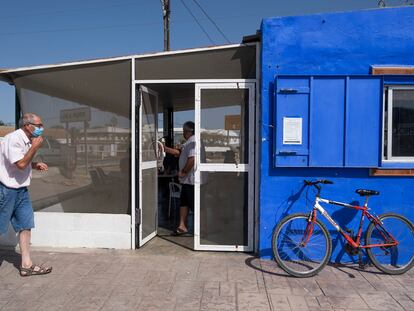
x: 166, y: 17
x: 171, y: 126
x: 85, y: 143
x: 17, y: 110
x: 168, y: 126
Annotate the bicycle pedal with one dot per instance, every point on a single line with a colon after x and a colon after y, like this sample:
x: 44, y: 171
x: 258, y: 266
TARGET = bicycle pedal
x: 361, y: 263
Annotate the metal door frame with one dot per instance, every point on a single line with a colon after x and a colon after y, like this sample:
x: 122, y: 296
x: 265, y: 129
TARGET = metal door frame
x: 145, y: 165
x: 247, y: 168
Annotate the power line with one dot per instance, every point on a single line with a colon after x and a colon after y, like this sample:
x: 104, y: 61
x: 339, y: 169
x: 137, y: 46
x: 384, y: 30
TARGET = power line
x: 212, y: 21
x: 76, y: 29
x: 198, y: 23
x: 82, y: 28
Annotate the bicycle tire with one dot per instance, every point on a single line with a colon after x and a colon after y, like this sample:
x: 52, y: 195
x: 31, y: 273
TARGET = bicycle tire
x: 319, y: 246
x: 394, y: 259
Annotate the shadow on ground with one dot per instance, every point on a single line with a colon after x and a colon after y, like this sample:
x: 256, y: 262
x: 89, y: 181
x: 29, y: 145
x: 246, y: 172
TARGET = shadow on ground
x: 271, y: 267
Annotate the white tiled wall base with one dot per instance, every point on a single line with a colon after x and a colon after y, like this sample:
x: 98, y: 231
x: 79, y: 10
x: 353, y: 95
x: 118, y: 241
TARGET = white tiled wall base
x: 79, y: 230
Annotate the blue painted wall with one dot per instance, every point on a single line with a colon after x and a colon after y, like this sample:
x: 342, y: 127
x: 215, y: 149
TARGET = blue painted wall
x: 329, y: 44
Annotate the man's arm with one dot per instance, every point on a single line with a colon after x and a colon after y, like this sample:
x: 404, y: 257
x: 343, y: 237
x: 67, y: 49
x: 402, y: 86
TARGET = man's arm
x: 28, y: 157
x: 187, y: 167
x: 173, y: 151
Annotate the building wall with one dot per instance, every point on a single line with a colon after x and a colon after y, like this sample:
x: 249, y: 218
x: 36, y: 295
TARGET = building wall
x: 328, y: 44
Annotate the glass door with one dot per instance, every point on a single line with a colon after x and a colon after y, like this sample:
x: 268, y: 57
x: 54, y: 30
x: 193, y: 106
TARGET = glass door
x: 224, y: 192
x: 146, y: 213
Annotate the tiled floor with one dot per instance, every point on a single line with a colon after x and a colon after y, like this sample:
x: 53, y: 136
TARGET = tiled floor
x: 164, y: 276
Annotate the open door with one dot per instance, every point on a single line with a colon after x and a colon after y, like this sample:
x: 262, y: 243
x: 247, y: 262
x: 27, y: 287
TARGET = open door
x: 147, y: 209
x: 224, y: 175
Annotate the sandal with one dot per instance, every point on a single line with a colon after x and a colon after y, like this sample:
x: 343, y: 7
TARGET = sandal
x: 178, y: 232
x: 35, y: 270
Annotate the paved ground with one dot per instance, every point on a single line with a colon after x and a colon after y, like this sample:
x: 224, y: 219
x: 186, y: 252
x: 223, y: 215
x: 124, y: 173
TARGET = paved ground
x: 164, y: 276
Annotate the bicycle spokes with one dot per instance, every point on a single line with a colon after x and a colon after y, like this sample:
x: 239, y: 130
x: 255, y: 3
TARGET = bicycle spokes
x: 302, y: 245
x: 397, y: 255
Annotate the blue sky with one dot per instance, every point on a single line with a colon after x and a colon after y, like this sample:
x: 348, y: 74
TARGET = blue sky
x: 46, y: 31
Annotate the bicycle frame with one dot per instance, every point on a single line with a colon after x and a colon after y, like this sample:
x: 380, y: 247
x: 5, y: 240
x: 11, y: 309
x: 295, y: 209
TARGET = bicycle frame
x: 354, y: 243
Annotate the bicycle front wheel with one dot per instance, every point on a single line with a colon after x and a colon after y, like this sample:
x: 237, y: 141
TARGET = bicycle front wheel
x: 295, y: 257
x: 392, y: 259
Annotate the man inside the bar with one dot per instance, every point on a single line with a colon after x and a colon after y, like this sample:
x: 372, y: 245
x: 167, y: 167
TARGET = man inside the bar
x: 185, y: 175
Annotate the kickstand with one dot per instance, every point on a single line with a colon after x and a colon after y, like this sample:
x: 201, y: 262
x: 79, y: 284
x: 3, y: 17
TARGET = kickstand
x: 361, y: 262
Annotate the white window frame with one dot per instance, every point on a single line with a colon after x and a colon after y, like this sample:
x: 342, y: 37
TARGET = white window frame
x: 389, y: 102
x: 220, y: 167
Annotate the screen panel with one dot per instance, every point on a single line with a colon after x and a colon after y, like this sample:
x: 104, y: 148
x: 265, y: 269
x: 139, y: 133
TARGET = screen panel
x: 86, y: 111
x: 224, y: 214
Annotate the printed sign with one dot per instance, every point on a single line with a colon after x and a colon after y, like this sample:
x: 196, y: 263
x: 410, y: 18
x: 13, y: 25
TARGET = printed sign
x: 232, y: 122
x: 292, y: 131
x: 75, y: 115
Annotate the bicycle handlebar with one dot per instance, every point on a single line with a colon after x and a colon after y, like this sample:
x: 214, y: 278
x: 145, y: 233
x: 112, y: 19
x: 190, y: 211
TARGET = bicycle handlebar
x: 319, y: 181
x: 315, y: 184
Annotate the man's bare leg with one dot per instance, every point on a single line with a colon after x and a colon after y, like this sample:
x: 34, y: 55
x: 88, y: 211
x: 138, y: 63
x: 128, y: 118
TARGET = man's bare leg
x: 24, y: 244
x: 27, y: 267
x: 183, y: 218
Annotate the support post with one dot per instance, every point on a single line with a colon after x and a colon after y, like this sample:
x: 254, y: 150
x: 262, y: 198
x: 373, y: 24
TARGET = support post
x: 17, y: 110
x: 85, y: 143
x: 166, y: 17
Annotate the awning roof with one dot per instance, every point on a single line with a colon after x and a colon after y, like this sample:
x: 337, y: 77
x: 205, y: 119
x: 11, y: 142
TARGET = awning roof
x: 118, y: 58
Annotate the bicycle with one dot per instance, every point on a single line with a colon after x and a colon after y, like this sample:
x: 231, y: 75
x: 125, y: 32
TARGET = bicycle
x: 302, y: 244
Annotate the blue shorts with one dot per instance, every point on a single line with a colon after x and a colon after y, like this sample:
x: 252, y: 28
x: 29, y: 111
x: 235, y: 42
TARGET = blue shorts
x: 15, y: 207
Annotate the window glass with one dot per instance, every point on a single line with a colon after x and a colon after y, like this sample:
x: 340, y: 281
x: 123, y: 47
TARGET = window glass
x: 224, y: 125
x: 385, y: 150
x: 224, y: 214
x: 87, y: 137
x: 402, y: 123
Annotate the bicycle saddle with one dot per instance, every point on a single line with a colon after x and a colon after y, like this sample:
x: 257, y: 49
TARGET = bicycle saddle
x: 365, y: 192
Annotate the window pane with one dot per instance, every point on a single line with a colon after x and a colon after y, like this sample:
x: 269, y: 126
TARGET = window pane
x: 403, y: 123
x: 224, y: 214
x: 385, y: 150
x: 86, y: 111
x: 149, y: 201
x: 224, y: 125
x: 149, y: 103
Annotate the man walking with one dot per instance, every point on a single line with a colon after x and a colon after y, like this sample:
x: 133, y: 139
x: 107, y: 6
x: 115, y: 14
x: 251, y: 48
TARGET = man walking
x: 185, y: 175
x: 17, y: 150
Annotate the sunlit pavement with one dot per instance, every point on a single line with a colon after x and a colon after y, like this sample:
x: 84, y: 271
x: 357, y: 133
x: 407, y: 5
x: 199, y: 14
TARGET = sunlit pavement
x: 164, y: 276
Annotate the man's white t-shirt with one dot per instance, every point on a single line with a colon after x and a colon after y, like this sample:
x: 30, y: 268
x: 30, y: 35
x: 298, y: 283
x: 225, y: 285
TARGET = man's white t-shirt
x: 188, y: 150
x: 13, y: 148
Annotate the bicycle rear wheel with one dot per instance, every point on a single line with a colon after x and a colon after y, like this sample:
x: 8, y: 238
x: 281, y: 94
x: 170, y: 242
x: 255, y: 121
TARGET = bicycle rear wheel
x: 393, y: 259
x: 289, y: 251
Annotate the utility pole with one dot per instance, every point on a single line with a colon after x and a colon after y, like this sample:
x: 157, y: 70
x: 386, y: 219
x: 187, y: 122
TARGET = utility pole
x: 166, y: 17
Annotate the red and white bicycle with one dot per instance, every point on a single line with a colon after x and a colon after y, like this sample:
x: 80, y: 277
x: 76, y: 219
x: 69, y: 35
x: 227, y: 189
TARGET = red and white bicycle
x: 302, y: 245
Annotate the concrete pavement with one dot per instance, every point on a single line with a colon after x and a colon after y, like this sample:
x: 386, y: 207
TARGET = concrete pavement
x: 164, y: 276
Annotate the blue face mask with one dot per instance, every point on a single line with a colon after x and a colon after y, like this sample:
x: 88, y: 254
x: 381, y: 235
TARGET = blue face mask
x: 38, y: 131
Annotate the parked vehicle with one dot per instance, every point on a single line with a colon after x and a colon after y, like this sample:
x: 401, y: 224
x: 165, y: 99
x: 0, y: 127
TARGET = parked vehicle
x: 49, y: 152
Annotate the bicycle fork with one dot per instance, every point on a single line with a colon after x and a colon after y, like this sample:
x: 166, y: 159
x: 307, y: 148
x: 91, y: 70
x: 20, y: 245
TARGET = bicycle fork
x: 309, y: 228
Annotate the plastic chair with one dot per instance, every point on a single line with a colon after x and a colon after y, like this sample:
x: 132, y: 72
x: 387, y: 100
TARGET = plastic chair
x: 175, y: 192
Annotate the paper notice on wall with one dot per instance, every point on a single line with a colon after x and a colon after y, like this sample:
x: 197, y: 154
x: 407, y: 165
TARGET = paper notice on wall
x: 292, y: 131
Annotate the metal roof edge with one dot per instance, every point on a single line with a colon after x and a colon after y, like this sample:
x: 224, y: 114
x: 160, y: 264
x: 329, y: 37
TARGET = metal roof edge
x: 120, y: 58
